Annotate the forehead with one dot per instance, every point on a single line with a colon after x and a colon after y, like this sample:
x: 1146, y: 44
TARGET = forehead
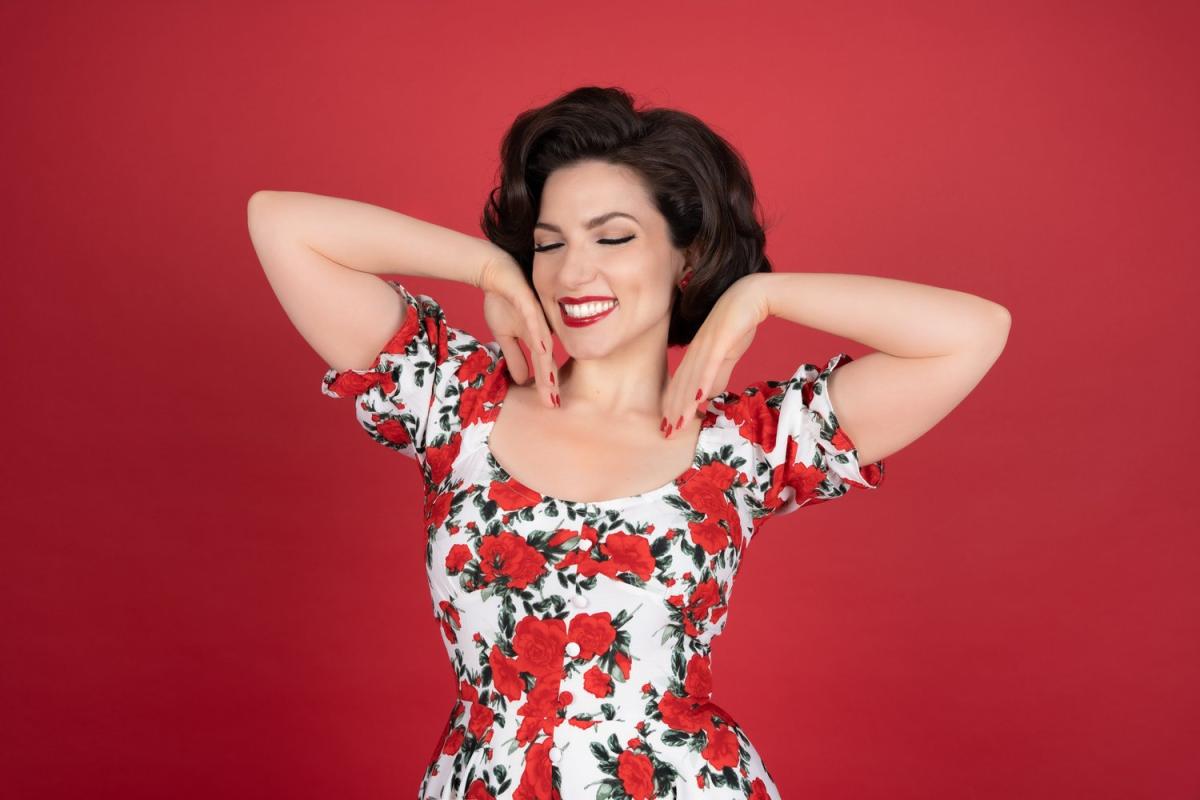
x: 581, y: 191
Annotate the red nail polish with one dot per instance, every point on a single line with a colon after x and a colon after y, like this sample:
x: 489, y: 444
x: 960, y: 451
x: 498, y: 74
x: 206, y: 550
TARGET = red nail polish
x: 557, y: 400
x: 551, y: 378
x: 667, y: 435
x: 679, y: 424
x: 663, y: 425
x: 699, y: 394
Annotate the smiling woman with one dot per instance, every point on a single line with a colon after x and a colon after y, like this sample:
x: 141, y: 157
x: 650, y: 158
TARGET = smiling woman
x: 578, y: 596
x: 655, y: 173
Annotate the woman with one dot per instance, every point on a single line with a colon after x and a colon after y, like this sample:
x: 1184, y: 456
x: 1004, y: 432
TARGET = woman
x: 582, y: 545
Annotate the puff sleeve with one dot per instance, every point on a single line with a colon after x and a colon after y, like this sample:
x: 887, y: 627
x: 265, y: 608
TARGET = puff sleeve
x: 408, y: 399
x: 800, y: 454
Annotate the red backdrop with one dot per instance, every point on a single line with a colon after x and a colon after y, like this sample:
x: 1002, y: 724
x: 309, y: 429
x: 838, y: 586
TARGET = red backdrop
x: 213, y: 580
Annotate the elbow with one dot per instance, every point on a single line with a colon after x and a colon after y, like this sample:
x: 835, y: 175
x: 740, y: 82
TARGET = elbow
x: 994, y: 334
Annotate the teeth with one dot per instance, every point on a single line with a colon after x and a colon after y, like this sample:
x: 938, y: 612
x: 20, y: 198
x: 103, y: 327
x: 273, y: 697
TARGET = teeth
x: 587, y: 309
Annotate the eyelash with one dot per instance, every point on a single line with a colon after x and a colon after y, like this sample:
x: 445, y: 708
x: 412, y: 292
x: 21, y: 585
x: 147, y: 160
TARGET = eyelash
x: 548, y: 247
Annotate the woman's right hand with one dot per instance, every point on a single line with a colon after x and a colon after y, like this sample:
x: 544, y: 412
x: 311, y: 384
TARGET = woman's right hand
x: 514, y: 314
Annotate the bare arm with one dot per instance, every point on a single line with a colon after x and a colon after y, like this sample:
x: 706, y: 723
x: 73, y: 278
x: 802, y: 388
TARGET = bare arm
x: 322, y: 257
x: 935, y: 345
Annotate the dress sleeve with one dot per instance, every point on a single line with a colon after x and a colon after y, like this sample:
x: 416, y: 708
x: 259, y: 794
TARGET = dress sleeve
x: 801, y: 456
x: 408, y: 399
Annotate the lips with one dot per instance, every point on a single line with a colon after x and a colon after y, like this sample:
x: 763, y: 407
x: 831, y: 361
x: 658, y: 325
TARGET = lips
x: 579, y: 322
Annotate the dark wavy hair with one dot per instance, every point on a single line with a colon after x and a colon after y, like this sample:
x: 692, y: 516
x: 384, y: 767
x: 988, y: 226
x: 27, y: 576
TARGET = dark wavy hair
x: 699, y: 182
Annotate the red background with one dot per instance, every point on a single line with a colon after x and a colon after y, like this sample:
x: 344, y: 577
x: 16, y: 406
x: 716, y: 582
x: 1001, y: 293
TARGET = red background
x: 213, y: 581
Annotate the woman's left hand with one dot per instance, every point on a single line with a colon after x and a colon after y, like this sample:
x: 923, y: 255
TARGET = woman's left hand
x: 723, y: 337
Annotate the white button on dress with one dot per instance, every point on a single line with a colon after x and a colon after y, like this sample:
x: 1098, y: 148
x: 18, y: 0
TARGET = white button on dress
x: 555, y: 754
x: 572, y: 649
x: 580, y: 601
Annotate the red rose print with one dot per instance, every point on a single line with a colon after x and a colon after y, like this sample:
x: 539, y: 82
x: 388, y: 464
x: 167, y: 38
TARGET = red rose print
x: 458, y: 557
x: 704, y: 596
x: 588, y: 565
x: 594, y: 633
x: 504, y: 674
x: 437, y: 507
x: 510, y: 621
x: 438, y: 331
x: 448, y: 608
x: 709, y: 535
x: 682, y: 714
x: 622, y: 660
x: 722, y: 750
x: 454, y: 741
x: 479, y: 404
x: 536, y: 777
x: 636, y: 774
x: 540, y: 711
x: 801, y: 477
x: 706, y: 491
x: 561, y: 536
x: 539, y: 644
x: 698, y: 684
x: 393, y: 431
x: 598, y: 682
x: 471, y: 367
x: 481, y: 720
x: 511, y: 495
x: 735, y: 527
x: 508, y: 555
x: 757, y: 420
x: 441, y: 457
x: 349, y: 384
x: 479, y: 791
x: 627, y: 552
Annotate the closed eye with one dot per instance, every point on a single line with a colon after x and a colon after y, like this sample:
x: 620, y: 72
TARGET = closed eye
x: 548, y: 247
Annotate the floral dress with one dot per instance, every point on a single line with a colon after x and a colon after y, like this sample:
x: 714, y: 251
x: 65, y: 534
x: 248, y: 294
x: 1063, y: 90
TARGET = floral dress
x: 580, y: 633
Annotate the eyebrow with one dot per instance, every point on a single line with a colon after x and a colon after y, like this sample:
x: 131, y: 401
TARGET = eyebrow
x: 592, y: 223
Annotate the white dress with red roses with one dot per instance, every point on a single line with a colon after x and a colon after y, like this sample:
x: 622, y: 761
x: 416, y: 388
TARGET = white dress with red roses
x: 581, y: 632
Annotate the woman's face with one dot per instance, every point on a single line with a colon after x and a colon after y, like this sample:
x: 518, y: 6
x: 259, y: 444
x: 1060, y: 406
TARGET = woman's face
x: 629, y: 260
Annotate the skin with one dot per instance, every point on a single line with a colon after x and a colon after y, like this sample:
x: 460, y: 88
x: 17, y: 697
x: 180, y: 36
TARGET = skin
x: 617, y: 368
x: 602, y: 411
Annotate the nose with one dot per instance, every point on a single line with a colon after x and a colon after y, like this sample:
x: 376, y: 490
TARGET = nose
x: 577, y: 271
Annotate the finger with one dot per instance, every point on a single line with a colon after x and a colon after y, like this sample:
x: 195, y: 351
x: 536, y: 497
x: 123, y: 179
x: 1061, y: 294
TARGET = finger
x: 539, y: 348
x: 514, y: 358
x: 687, y: 392
x: 671, y: 417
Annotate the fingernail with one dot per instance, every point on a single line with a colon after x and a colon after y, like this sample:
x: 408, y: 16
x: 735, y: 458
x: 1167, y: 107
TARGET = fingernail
x: 557, y: 401
x: 663, y: 426
x: 699, y: 394
x: 679, y: 424
x: 667, y: 435
x: 551, y: 378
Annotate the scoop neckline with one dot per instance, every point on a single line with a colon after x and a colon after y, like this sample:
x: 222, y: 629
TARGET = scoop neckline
x: 545, y: 499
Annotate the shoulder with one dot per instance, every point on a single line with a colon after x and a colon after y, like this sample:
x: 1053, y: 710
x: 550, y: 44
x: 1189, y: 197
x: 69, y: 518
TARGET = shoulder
x: 434, y: 331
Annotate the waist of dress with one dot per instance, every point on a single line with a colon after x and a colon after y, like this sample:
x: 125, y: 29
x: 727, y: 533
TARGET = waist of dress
x: 488, y: 714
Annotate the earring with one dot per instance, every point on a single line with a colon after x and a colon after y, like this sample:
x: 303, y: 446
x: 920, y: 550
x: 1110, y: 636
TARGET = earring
x: 687, y: 277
